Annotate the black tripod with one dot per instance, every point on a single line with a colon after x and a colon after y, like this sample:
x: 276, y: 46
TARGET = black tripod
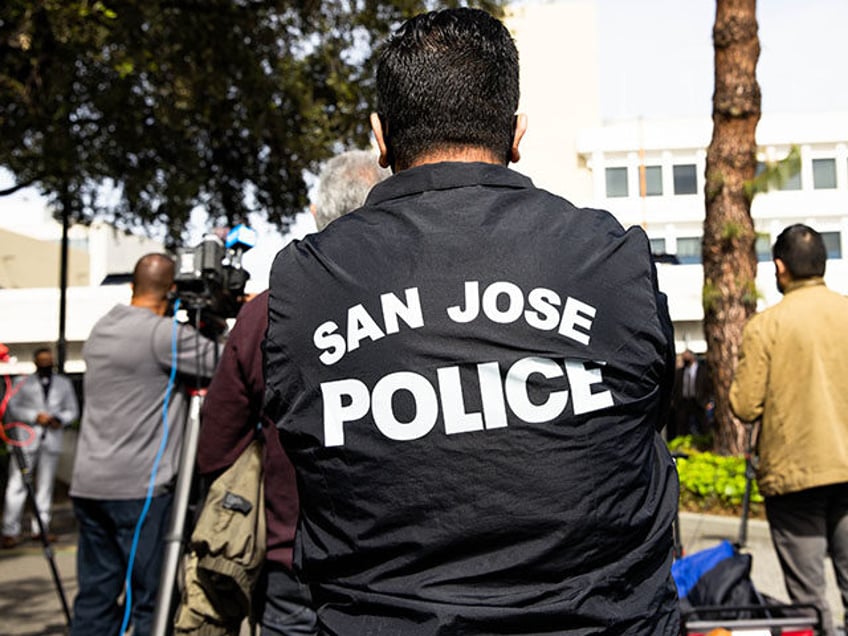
x: 26, y: 474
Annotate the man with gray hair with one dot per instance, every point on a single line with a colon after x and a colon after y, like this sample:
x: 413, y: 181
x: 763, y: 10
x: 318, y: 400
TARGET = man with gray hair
x: 344, y: 183
x: 233, y: 406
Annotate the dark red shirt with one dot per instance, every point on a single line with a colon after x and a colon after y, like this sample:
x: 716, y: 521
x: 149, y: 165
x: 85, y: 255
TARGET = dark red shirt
x: 232, y: 410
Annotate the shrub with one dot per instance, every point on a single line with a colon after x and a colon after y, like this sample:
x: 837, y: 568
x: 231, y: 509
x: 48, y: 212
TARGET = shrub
x: 712, y: 483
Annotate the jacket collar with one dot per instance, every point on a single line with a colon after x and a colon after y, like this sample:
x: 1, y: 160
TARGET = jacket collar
x: 813, y: 281
x: 445, y: 176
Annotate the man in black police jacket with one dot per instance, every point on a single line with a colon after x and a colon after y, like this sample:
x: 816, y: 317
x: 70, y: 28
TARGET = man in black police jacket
x: 468, y: 374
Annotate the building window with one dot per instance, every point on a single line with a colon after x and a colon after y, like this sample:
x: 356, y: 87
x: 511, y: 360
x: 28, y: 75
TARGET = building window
x: 616, y: 182
x: 833, y: 244
x: 657, y: 245
x: 824, y: 174
x: 653, y: 181
x: 685, y: 179
x: 763, y: 247
x: 689, y: 250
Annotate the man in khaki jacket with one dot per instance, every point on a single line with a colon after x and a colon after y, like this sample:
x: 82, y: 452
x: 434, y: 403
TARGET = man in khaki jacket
x: 793, y: 373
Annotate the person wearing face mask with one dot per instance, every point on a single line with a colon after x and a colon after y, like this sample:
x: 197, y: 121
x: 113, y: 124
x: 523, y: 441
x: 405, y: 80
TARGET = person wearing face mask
x: 42, y: 405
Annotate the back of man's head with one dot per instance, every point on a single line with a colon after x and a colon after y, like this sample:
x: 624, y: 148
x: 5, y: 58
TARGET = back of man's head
x: 802, y: 251
x: 153, y: 276
x: 448, y: 80
x: 344, y: 184
x: 42, y: 351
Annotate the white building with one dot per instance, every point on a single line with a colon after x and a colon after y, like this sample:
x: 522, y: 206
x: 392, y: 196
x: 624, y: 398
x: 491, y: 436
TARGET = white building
x: 29, y: 280
x: 560, y: 98
x: 671, y: 208
x: 569, y: 151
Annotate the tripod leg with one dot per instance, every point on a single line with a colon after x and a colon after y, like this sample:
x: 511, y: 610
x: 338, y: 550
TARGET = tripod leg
x: 26, y: 474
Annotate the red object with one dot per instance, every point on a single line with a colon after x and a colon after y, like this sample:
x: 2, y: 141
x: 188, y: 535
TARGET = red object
x: 7, y: 395
x: 792, y: 632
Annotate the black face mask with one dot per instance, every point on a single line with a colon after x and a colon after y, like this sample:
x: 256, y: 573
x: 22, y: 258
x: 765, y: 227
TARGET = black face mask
x: 44, y: 372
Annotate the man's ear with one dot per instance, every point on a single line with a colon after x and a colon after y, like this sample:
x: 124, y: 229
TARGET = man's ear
x: 780, y: 267
x: 377, y: 128
x: 519, y: 128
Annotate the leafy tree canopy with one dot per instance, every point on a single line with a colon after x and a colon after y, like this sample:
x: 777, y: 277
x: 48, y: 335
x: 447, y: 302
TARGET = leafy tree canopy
x: 140, y: 110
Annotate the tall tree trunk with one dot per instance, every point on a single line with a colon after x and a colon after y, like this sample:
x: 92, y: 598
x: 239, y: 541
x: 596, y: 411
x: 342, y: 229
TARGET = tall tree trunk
x: 730, y: 261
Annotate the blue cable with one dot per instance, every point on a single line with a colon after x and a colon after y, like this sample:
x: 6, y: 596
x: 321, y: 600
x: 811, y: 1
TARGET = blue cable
x: 151, y: 484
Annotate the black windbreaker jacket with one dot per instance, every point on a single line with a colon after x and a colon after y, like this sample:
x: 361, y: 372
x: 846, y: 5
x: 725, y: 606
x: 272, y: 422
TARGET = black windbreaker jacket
x: 468, y: 374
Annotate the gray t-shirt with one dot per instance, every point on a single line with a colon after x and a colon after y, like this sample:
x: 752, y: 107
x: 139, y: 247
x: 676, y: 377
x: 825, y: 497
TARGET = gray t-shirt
x: 128, y: 358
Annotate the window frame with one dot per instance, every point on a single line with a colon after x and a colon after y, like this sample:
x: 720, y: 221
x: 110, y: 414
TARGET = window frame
x: 693, y: 259
x: 680, y: 179
x: 617, y: 170
x: 831, y: 176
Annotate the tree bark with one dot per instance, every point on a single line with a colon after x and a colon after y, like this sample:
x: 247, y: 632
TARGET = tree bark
x: 729, y: 257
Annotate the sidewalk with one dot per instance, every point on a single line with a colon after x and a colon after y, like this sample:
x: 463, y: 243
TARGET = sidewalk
x: 29, y: 601
x: 705, y: 531
x: 30, y: 605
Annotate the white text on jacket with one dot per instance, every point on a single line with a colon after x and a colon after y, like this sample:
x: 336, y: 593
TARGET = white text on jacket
x: 346, y: 401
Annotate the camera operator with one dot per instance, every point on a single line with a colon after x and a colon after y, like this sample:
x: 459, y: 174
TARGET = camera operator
x: 233, y: 406
x: 130, y: 356
x: 468, y: 375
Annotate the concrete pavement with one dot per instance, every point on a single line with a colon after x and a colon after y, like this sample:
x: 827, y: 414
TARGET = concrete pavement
x: 30, y: 604
x: 704, y: 531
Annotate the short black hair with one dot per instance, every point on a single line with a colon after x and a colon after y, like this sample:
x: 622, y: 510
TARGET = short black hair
x: 448, y: 79
x: 802, y: 250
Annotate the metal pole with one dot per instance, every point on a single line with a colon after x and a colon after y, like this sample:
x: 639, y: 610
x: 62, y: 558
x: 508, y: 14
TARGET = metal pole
x: 163, y: 615
x: 677, y: 536
x: 750, y: 474
x: 61, y: 346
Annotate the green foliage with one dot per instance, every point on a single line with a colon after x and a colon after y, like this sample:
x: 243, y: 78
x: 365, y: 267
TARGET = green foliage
x: 775, y: 173
x: 167, y: 105
x: 690, y: 444
x: 750, y: 293
x: 731, y: 230
x: 710, y: 296
x: 710, y: 482
x: 714, y: 184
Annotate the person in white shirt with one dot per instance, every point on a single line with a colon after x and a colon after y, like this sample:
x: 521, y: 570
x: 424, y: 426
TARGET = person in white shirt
x: 45, y: 403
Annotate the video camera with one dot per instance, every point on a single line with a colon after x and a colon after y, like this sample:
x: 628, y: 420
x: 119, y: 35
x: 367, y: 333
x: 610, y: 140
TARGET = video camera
x: 210, y: 277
